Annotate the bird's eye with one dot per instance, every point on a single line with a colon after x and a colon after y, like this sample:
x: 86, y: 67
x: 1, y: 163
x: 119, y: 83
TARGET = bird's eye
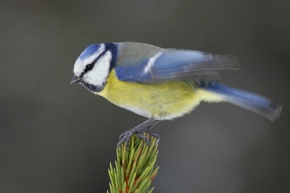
x: 89, y: 67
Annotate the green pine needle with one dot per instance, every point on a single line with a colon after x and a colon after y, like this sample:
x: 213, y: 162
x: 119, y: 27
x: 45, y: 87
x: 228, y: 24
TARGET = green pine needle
x: 134, y: 167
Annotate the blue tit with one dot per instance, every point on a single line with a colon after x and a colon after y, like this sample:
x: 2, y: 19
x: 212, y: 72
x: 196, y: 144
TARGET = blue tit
x: 161, y: 84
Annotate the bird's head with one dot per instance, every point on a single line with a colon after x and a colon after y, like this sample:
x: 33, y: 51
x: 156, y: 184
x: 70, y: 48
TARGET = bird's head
x: 93, y: 66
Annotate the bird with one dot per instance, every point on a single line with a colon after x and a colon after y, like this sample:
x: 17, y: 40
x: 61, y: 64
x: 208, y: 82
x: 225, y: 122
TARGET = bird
x: 161, y: 84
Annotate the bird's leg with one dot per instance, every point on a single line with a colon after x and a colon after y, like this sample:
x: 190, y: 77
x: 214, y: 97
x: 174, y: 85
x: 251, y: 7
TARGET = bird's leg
x: 139, y: 130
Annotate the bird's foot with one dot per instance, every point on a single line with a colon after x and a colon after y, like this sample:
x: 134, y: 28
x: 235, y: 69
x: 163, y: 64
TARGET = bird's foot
x: 141, y: 133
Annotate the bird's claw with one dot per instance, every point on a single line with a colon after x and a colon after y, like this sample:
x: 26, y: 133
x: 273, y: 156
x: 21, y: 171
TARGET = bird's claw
x: 156, y: 135
x: 142, y: 136
x: 125, y: 137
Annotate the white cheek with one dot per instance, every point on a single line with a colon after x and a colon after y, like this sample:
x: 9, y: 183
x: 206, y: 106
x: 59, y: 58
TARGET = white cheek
x: 98, y: 75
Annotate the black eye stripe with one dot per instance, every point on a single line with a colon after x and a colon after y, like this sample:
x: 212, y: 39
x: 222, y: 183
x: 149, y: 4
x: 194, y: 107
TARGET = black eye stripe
x: 89, y: 67
x: 109, y: 47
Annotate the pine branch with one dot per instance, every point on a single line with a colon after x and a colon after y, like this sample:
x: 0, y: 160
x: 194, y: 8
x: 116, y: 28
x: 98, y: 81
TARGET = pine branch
x: 133, y: 171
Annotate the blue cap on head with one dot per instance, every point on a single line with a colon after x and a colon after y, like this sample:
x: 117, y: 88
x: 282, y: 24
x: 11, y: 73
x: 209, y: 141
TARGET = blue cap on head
x: 89, y: 51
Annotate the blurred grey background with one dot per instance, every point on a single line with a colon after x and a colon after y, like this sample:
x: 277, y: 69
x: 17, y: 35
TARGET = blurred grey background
x: 55, y: 137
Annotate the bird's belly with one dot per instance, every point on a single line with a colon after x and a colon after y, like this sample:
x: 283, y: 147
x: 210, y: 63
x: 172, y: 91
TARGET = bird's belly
x: 138, y: 110
x: 162, y: 101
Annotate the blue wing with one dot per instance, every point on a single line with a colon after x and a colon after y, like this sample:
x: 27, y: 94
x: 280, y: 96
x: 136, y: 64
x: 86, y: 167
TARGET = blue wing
x: 176, y: 64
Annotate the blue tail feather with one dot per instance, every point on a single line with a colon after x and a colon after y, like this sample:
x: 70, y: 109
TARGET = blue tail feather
x: 250, y: 101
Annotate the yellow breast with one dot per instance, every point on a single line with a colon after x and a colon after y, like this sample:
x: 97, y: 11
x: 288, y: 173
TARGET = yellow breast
x: 162, y: 101
x: 166, y: 100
